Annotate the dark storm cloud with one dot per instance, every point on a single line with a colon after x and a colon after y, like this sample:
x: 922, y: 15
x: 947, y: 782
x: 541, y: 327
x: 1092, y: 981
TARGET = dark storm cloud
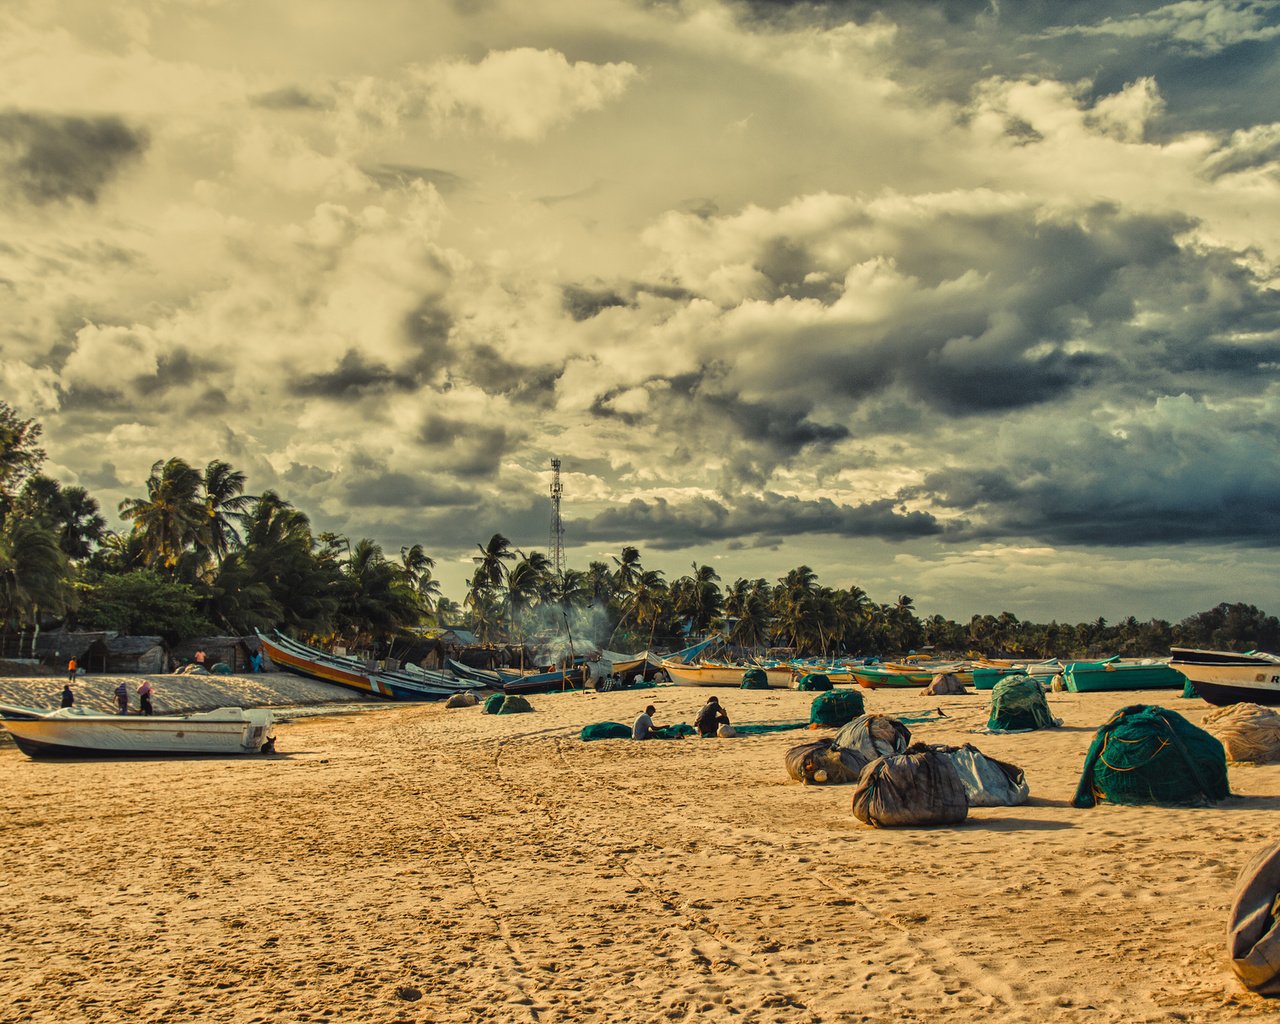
x: 669, y: 527
x: 468, y: 450
x: 179, y: 370
x: 1190, y: 476
x: 50, y: 158
x: 584, y: 303
x: 290, y: 97
x: 354, y: 376
x: 391, y: 489
x: 1215, y: 63
x: 786, y: 429
x: 428, y: 327
x: 400, y: 175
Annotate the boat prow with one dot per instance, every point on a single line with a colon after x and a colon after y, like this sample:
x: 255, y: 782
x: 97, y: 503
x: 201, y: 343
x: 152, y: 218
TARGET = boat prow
x: 1225, y: 677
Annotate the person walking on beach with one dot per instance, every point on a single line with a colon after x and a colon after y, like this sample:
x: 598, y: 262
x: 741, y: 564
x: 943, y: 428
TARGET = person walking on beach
x: 68, y: 698
x: 711, y: 717
x: 71, y: 670
x: 122, y: 699
x: 144, y: 697
x: 643, y: 727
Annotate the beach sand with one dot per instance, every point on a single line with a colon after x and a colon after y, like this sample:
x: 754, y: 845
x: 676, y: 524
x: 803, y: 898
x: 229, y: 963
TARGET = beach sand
x: 411, y: 864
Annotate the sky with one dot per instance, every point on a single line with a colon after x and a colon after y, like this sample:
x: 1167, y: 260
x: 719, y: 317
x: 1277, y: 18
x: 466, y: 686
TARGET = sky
x: 973, y: 302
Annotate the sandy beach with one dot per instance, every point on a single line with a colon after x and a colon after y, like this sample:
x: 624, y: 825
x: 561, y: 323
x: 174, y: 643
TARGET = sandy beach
x: 410, y: 863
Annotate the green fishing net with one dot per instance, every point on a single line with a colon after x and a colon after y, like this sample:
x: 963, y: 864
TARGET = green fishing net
x: 836, y: 708
x: 1018, y: 703
x: 813, y: 681
x: 755, y: 679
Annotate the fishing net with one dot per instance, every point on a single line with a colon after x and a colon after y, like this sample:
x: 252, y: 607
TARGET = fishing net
x: 1249, y: 732
x: 836, y: 708
x: 1253, y: 928
x: 920, y: 787
x: 813, y: 681
x: 1149, y: 755
x: 462, y: 700
x: 944, y: 684
x: 674, y: 732
x: 755, y: 679
x: 506, y: 704
x: 874, y: 736
x: 764, y: 728
x: 823, y: 763
x: 1018, y: 704
x: 1189, y: 689
x: 605, y: 731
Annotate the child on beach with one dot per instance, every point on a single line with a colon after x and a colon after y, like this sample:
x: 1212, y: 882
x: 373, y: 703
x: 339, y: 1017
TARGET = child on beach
x: 68, y: 698
x: 71, y: 670
x: 122, y: 699
x: 144, y: 697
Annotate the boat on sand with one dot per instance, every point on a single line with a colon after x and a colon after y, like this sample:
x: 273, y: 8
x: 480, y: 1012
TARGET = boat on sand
x: 81, y: 732
x: 393, y: 684
x: 1225, y: 677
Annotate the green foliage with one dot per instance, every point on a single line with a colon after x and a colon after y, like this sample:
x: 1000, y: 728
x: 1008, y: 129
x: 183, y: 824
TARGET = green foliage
x: 142, y: 603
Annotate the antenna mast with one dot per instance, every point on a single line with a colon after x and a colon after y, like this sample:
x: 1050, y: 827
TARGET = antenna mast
x: 557, y: 527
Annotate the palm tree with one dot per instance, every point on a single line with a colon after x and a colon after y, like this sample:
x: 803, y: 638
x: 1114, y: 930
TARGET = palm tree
x: 33, y: 571
x: 628, y: 570
x: 69, y: 510
x: 418, y: 566
x: 697, y: 597
x: 491, y: 562
x: 225, y: 503
x: 747, y: 602
x: 170, y: 518
x: 378, y: 602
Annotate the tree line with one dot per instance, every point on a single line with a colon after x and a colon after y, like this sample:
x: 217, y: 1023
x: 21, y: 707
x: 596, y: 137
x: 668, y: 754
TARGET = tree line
x: 196, y: 555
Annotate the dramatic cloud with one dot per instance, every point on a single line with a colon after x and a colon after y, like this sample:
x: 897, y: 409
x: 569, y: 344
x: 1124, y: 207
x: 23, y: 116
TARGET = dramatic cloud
x: 47, y: 158
x: 920, y: 295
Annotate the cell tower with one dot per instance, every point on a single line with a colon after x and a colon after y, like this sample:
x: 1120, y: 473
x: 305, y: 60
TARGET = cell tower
x: 557, y: 527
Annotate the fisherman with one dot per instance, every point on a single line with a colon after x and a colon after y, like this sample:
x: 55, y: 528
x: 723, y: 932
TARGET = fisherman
x: 710, y: 718
x: 643, y: 729
x: 122, y: 699
x: 145, y: 690
x: 68, y: 698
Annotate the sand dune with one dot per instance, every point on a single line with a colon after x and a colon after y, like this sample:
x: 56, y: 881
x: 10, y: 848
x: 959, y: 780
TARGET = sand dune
x: 413, y: 863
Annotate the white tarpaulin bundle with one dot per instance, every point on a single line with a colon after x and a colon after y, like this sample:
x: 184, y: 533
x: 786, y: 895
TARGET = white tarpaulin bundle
x: 1253, y: 931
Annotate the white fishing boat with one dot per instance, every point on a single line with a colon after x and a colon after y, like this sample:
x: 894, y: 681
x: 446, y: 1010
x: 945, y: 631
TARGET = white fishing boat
x: 80, y: 732
x: 719, y: 674
x: 1224, y: 677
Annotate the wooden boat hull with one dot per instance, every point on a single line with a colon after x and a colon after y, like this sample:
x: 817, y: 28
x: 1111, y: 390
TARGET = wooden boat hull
x: 1095, y: 677
x: 72, y: 733
x: 1224, y: 677
x: 546, y: 682
x: 723, y: 675
x: 303, y: 660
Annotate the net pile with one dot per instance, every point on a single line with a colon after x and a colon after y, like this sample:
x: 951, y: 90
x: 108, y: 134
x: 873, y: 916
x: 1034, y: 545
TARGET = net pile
x: 506, y: 704
x: 813, y: 681
x: 919, y: 787
x: 837, y: 707
x: 874, y: 736
x: 755, y: 679
x: 1249, y: 732
x: 1253, y: 928
x: 1018, y: 704
x: 605, y: 731
x: 1149, y: 755
x: 823, y: 763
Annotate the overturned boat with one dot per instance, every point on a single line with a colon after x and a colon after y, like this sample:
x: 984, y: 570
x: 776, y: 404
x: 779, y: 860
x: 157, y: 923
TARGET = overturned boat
x: 1225, y: 677
x: 81, y: 732
x: 393, y: 684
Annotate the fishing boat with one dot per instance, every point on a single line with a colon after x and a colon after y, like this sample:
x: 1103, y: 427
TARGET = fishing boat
x: 723, y: 674
x: 574, y: 678
x: 366, y: 677
x: 903, y: 676
x: 82, y: 732
x: 1121, y: 674
x: 1224, y: 677
x: 986, y: 676
x: 477, y: 676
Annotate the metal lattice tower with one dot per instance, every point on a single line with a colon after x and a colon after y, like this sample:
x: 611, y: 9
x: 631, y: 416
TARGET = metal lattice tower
x: 556, y: 544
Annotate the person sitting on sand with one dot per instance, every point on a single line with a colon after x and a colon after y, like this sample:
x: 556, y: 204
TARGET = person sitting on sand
x: 711, y: 717
x: 122, y: 699
x: 643, y: 728
x: 68, y: 698
x: 144, y: 697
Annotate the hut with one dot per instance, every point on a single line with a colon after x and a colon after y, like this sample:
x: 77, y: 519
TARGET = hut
x: 236, y: 652
x: 58, y: 647
x: 132, y: 655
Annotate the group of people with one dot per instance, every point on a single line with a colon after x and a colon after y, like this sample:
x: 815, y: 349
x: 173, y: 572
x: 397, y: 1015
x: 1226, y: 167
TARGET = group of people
x: 708, y: 722
x: 145, y: 691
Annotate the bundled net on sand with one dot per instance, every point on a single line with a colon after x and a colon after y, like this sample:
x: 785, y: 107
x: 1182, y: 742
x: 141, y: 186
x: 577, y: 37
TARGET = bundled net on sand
x: 755, y: 679
x: 1018, y: 704
x: 823, y: 763
x: 1149, y: 755
x: 987, y: 782
x: 1248, y: 732
x: 506, y: 704
x: 836, y: 707
x: 814, y: 681
x: 919, y: 787
x: 1253, y: 927
x: 605, y: 731
x: 874, y: 736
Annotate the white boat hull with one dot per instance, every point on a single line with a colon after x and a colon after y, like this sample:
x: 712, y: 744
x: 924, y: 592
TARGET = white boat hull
x: 70, y: 732
x: 722, y: 675
x: 1222, y: 678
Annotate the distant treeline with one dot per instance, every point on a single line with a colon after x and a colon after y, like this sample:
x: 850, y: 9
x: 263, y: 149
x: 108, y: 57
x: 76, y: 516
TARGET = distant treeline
x: 198, y: 555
